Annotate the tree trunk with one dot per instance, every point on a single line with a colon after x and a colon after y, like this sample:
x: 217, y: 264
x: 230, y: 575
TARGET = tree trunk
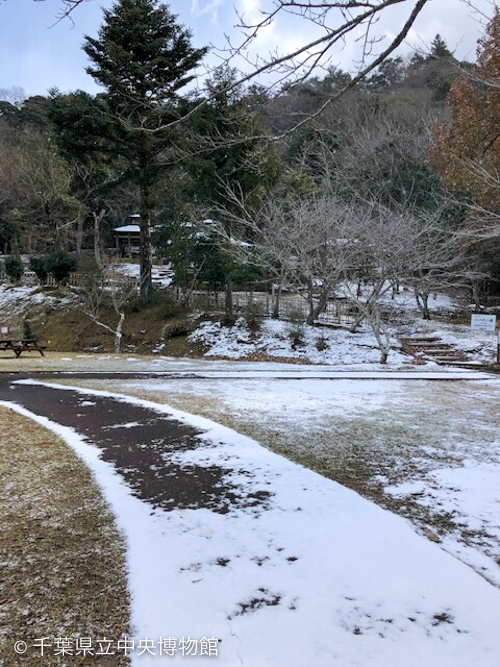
x: 79, y: 235
x: 357, y: 322
x: 476, y: 294
x: 145, y: 279
x: 310, y: 301
x: 228, y: 290
x: 422, y: 299
x: 381, y: 336
x: 425, y: 305
x: 118, y: 332
x: 315, y: 311
x: 98, y: 218
x: 276, y: 303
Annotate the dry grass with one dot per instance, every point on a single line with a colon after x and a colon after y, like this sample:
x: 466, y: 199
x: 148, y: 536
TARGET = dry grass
x: 62, y: 557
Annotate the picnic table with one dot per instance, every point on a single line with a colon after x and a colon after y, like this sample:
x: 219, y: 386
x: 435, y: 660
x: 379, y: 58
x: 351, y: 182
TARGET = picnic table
x: 20, y: 345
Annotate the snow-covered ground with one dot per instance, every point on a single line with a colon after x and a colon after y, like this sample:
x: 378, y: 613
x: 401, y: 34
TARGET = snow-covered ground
x: 316, y: 575
x: 320, y: 345
x: 324, y: 345
x: 16, y: 300
x: 319, y: 575
x: 161, y: 275
x: 426, y: 448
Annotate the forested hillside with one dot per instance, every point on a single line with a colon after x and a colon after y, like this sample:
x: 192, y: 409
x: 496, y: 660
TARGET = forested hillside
x: 395, y: 183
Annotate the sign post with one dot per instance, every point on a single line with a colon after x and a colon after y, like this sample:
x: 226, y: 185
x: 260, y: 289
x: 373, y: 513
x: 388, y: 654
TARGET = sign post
x: 483, y: 322
x: 486, y: 323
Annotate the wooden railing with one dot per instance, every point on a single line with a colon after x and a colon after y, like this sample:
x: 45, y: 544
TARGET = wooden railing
x: 337, y: 311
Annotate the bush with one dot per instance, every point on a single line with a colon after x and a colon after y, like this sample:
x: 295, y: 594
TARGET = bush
x: 176, y: 330
x: 39, y: 266
x: 14, y: 268
x: 253, y: 314
x: 296, y: 334
x: 227, y: 320
x: 60, y: 264
x: 27, y: 330
x: 321, y: 343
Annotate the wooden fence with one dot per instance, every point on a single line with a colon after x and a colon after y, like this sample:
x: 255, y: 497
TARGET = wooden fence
x: 337, y: 312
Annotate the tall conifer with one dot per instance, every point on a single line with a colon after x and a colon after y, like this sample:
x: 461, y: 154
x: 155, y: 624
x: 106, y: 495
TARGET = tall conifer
x: 142, y: 58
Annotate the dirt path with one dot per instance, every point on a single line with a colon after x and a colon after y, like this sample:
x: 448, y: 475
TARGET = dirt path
x: 141, y: 444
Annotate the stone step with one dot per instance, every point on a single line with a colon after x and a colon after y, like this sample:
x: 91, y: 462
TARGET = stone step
x: 423, y: 339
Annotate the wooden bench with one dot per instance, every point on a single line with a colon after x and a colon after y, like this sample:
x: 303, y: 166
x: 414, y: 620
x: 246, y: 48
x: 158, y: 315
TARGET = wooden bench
x: 20, y: 345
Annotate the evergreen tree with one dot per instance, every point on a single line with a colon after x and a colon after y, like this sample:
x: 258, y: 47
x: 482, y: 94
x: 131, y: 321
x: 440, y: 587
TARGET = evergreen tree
x: 439, y: 48
x: 142, y: 58
x: 234, y: 158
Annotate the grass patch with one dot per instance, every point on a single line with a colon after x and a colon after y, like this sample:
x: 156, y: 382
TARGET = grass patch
x: 63, y: 560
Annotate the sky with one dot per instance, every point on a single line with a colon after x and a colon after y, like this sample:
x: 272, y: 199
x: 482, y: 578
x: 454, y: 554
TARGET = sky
x: 38, y: 53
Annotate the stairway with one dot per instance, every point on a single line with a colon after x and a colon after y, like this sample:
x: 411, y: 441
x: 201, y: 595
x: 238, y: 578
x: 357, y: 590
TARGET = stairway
x: 432, y: 349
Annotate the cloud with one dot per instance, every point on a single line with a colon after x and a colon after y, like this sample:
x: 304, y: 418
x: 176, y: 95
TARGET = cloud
x: 199, y: 9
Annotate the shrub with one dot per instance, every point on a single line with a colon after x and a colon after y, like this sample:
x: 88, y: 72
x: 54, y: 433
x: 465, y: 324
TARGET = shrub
x: 176, y: 330
x: 14, y: 268
x: 321, y: 343
x: 227, y: 320
x: 27, y: 330
x: 253, y: 314
x: 60, y: 264
x: 296, y: 333
x: 39, y: 266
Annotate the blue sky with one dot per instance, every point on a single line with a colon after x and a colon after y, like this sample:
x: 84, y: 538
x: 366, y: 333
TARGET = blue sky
x: 37, y: 53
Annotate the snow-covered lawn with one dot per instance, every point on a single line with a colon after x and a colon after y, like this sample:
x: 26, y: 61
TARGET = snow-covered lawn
x: 313, y: 575
x: 427, y: 449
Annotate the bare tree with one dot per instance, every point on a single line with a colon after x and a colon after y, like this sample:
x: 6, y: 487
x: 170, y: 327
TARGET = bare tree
x: 357, y: 249
x: 335, y: 23
x: 67, y: 7
x: 106, y: 288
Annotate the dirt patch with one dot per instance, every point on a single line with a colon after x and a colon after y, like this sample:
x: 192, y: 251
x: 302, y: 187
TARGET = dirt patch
x: 63, y: 560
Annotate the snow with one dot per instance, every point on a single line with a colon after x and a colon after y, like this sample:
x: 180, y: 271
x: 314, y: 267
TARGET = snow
x: 404, y: 300
x: 274, y: 340
x: 471, y: 494
x: 160, y: 275
x: 15, y: 300
x: 317, y: 575
x: 416, y: 426
x: 136, y: 229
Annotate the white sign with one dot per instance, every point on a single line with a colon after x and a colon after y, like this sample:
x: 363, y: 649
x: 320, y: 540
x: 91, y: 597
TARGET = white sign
x: 4, y: 331
x: 483, y: 322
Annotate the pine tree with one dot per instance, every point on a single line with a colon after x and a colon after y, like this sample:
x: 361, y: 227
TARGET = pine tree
x: 439, y: 48
x: 142, y: 58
